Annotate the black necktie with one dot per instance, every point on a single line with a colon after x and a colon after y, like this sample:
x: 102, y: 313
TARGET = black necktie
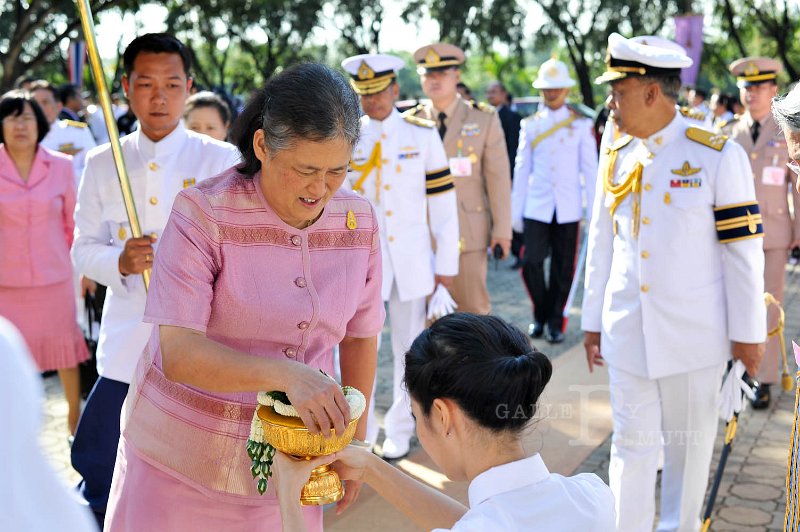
x: 442, y: 125
x: 754, y: 130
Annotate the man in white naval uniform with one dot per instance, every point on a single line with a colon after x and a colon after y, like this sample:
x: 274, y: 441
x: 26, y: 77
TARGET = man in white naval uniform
x: 65, y: 136
x: 400, y: 165
x: 674, y: 285
x: 556, y: 149
x: 161, y: 159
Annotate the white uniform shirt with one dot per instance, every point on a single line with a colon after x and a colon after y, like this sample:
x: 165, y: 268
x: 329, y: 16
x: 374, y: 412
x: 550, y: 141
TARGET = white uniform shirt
x: 523, y: 496
x: 672, y: 300
x: 72, y: 138
x: 547, y: 178
x: 414, y: 198
x: 157, y: 172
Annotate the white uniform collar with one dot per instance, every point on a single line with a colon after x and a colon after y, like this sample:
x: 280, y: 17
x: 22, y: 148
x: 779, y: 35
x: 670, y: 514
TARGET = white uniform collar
x: 164, y: 147
x: 661, y: 139
x: 561, y: 113
x: 387, y: 124
x: 506, y: 477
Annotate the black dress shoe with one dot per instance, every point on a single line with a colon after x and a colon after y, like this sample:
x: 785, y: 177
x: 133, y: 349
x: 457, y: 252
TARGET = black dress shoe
x: 535, y: 330
x: 761, y: 400
x: 554, y: 336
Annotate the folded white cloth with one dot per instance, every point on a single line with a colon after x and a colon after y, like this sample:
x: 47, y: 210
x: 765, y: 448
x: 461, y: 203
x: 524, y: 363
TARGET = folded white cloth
x: 733, y: 391
x: 441, y: 303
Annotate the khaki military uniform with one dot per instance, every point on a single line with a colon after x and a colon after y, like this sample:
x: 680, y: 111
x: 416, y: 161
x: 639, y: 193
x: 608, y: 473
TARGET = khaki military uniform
x: 484, y: 196
x: 768, y: 158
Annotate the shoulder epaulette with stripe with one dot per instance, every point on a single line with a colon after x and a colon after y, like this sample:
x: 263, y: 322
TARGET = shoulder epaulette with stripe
x: 417, y: 121
x: 485, y: 107
x: 728, y: 122
x: 75, y: 123
x: 438, y: 181
x: 692, y: 114
x: 738, y: 221
x: 715, y: 141
x: 620, y: 143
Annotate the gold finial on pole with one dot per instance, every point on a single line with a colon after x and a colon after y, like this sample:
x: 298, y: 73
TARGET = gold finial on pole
x: 87, y: 24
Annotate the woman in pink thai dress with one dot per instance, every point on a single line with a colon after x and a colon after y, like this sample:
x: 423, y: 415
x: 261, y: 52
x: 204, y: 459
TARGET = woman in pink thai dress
x: 37, y: 200
x: 260, y: 272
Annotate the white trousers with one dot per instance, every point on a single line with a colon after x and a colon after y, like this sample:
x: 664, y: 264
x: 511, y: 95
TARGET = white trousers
x: 406, y: 321
x: 679, y: 414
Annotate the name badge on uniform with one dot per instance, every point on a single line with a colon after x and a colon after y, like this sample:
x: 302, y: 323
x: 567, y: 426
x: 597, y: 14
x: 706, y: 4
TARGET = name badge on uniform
x: 773, y: 176
x: 460, y: 166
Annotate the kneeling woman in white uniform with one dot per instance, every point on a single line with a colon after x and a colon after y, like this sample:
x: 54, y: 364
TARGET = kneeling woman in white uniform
x: 474, y: 382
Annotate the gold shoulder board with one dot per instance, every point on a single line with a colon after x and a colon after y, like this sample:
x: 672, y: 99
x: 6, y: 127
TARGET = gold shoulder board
x: 75, y: 123
x: 620, y: 143
x: 713, y: 140
x: 691, y: 113
x: 417, y: 121
x: 485, y: 107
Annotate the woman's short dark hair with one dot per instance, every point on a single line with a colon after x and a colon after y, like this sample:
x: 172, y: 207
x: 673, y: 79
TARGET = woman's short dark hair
x: 207, y: 99
x: 156, y: 43
x: 13, y: 102
x: 308, y: 101
x: 487, y: 366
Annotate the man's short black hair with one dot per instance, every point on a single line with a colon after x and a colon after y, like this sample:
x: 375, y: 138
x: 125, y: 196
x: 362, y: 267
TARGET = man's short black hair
x: 65, y: 92
x: 156, y: 43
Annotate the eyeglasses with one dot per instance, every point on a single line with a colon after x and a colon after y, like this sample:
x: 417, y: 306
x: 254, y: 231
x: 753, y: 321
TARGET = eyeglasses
x: 794, y: 167
x: 24, y: 118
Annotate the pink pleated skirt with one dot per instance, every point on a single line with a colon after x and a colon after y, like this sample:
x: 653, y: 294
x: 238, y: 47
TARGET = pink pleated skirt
x: 143, y: 497
x: 45, y: 315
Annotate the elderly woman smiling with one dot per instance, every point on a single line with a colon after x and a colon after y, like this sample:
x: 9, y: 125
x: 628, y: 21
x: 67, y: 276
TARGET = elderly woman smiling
x: 261, y: 271
x: 786, y: 110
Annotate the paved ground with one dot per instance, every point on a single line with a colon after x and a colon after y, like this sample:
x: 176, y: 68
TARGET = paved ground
x: 752, y: 495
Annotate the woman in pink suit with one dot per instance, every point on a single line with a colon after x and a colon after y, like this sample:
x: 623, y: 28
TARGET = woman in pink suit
x: 260, y: 272
x: 37, y: 199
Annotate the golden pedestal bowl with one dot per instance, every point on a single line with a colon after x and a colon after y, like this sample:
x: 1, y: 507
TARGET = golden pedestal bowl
x: 289, y: 435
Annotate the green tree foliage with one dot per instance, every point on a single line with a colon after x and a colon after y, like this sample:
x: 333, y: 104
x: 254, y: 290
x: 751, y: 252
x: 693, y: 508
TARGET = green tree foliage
x: 360, y: 23
x: 583, y: 26
x: 472, y: 22
x: 257, y: 35
x: 31, y: 34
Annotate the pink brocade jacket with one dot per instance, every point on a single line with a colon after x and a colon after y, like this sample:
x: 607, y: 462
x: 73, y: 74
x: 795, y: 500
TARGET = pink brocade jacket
x: 36, y: 221
x: 230, y: 268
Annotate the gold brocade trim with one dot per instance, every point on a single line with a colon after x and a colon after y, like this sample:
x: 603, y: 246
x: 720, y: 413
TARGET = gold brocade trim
x: 279, y: 237
x: 737, y: 239
x: 341, y: 239
x: 631, y: 185
x: 197, y: 401
x: 255, y: 235
x: 564, y: 123
x: 374, y: 161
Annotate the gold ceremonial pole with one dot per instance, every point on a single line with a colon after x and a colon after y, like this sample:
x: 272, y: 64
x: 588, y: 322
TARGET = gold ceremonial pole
x: 87, y: 23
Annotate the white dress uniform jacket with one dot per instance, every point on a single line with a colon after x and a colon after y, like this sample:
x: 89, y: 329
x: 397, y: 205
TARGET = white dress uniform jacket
x: 73, y: 138
x: 523, y: 496
x: 414, y: 198
x: 675, y: 293
x: 157, y: 172
x: 547, y: 177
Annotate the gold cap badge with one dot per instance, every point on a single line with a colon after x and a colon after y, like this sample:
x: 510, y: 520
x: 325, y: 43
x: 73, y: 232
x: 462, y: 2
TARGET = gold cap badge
x: 365, y: 72
x: 431, y: 57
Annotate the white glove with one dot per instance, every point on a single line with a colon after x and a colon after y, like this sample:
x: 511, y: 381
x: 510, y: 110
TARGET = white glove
x: 731, y: 399
x: 518, y: 226
x: 441, y: 303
